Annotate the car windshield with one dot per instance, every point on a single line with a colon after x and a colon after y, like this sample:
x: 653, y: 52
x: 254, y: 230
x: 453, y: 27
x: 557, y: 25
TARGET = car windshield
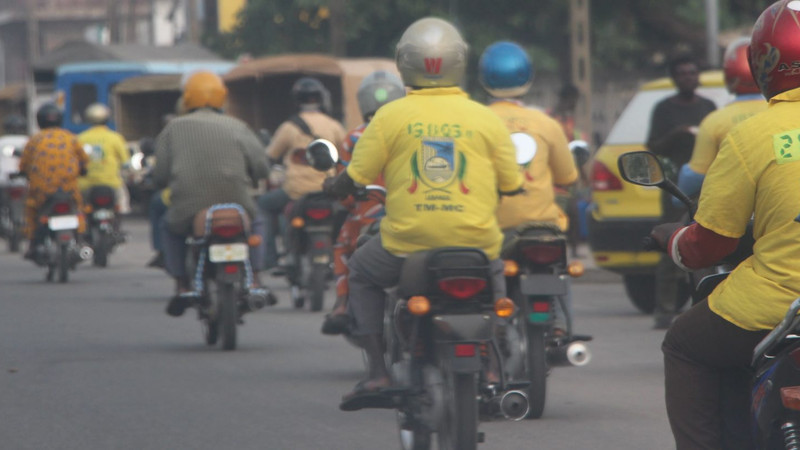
x: 633, y: 124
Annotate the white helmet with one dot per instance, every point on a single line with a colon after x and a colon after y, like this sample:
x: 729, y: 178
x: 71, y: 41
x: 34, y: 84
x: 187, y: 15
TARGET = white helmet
x: 97, y: 114
x: 431, y: 53
x: 377, y: 89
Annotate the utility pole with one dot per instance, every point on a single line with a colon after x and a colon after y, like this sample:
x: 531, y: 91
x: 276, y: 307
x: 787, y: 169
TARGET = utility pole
x: 112, y: 14
x: 580, y: 49
x: 712, y: 32
x: 338, y: 39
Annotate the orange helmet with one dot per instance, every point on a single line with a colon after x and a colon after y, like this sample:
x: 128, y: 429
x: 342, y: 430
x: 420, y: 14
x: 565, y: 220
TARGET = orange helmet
x: 204, y: 90
x: 775, y: 48
x: 738, y: 78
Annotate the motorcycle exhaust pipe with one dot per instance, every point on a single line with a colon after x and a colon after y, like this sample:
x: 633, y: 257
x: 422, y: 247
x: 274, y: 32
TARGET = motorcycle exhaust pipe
x: 513, y: 405
x: 85, y: 253
x: 574, y: 354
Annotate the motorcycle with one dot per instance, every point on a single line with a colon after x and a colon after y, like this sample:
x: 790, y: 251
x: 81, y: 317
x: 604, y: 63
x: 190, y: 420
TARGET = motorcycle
x: 439, y: 332
x: 775, y: 392
x: 56, y: 238
x: 12, y: 193
x: 309, y: 249
x: 223, y: 282
x: 537, y: 280
x: 103, y: 234
x: 310, y: 235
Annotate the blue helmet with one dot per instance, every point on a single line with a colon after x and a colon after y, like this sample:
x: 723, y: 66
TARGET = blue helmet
x: 505, y: 70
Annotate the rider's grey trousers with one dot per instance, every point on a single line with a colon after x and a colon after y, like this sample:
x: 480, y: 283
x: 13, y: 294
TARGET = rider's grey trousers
x: 373, y: 269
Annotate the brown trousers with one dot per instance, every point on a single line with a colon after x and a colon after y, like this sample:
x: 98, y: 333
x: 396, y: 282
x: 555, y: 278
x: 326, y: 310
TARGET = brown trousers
x: 707, y: 372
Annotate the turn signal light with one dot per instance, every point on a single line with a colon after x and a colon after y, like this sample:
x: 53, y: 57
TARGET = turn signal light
x: 254, y: 240
x: 298, y: 222
x: 419, y: 305
x: 510, y: 268
x: 575, y: 269
x: 790, y: 397
x: 504, y: 307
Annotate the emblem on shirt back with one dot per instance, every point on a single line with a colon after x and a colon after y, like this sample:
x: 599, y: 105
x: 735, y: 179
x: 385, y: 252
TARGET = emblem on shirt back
x: 437, y: 164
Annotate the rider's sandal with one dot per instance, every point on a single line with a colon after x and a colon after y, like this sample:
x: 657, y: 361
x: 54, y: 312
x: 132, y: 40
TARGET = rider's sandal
x: 336, y: 324
x: 362, y: 398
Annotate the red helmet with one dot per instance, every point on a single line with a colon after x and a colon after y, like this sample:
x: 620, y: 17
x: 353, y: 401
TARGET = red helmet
x: 738, y: 78
x: 775, y: 48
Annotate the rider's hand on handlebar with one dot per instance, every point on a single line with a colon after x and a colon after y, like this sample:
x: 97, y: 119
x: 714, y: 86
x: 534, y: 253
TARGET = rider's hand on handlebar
x: 662, y: 233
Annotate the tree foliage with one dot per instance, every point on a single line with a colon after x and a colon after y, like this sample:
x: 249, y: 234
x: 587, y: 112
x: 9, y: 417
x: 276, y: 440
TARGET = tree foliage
x: 628, y: 35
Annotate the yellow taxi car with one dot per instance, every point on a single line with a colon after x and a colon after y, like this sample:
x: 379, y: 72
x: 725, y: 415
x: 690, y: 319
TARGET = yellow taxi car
x: 621, y: 214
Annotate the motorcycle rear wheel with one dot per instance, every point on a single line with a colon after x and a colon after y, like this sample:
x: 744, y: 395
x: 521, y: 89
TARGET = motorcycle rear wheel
x: 101, y: 248
x: 459, y: 427
x: 63, y: 263
x: 535, y: 367
x: 316, y: 285
x: 228, y: 315
x: 13, y: 239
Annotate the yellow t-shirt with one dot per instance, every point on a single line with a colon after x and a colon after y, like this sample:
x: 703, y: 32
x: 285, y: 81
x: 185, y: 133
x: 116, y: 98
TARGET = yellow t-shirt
x: 444, y: 157
x: 552, y: 163
x: 108, y: 154
x: 757, y: 174
x: 715, y: 127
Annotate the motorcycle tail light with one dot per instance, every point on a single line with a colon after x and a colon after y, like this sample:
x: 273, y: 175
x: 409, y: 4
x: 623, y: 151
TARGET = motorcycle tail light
x: 62, y: 208
x: 540, y: 307
x: 227, y: 231
x: 790, y: 397
x: 543, y: 253
x: 230, y: 268
x: 16, y: 193
x: 465, y: 350
x: 462, y: 287
x: 318, y: 213
x: 102, y: 200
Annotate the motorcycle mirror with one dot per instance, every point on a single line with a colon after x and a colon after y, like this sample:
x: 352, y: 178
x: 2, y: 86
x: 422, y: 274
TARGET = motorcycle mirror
x: 526, y: 147
x: 642, y: 168
x: 322, y: 154
x: 580, y: 151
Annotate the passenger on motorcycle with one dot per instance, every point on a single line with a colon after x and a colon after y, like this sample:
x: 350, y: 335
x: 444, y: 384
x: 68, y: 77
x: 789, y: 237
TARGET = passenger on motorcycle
x: 716, y: 125
x: 205, y: 157
x: 506, y: 72
x: 53, y: 159
x: 107, y: 154
x: 287, y: 152
x: 444, y: 158
x: 376, y: 89
x: 754, y: 175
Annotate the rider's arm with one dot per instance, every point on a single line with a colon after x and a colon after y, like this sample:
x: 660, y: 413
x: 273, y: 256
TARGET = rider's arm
x: 80, y: 153
x: 281, y: 142
x: 162, y: 168
x: 504, y: 158
x: 254, y: 155
x: 695, y: 247
x: 369, y: 155
x: 27, y: 155
x: 562, y: 163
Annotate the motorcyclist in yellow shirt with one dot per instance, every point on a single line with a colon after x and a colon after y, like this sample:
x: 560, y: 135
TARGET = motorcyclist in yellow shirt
x: 756, y: 174
x: 108, y: 153
x: 444, y: 159
x: 715, y: 125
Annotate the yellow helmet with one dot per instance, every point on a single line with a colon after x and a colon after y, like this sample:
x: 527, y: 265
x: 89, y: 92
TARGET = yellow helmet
x: 204, y: 89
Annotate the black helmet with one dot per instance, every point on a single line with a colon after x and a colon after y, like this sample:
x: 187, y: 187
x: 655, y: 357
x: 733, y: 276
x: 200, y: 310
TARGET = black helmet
x: 48, y: 116
x: 311, y: 90
x: 15, y: 124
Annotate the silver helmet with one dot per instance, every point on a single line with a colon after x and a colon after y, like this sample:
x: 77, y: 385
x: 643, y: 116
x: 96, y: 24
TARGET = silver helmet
x: 97, y: 114
x: 377, y: 89
x: 431, y: 53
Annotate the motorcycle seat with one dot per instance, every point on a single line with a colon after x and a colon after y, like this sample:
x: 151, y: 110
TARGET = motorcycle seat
x: 219, y: 217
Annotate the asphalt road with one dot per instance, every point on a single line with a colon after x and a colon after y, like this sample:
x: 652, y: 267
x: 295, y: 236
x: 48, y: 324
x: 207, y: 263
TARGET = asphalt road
x: 97, y: 364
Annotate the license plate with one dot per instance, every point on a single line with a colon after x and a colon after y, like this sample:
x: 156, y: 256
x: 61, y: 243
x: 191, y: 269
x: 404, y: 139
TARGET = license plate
x: 103, y: 214
x: 57, y: 223
x: 321, y: 259
x: 227, y: 252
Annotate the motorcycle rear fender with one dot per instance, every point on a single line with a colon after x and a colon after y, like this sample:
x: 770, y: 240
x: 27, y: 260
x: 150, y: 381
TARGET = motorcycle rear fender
x: 320, y: 243
x: 542, y: 284
x: 450, y: 330
x: 223, y: 277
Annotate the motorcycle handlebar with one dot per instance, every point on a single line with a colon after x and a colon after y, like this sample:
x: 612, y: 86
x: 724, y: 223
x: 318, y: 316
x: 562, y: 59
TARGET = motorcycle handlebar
x: 650, y: 244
